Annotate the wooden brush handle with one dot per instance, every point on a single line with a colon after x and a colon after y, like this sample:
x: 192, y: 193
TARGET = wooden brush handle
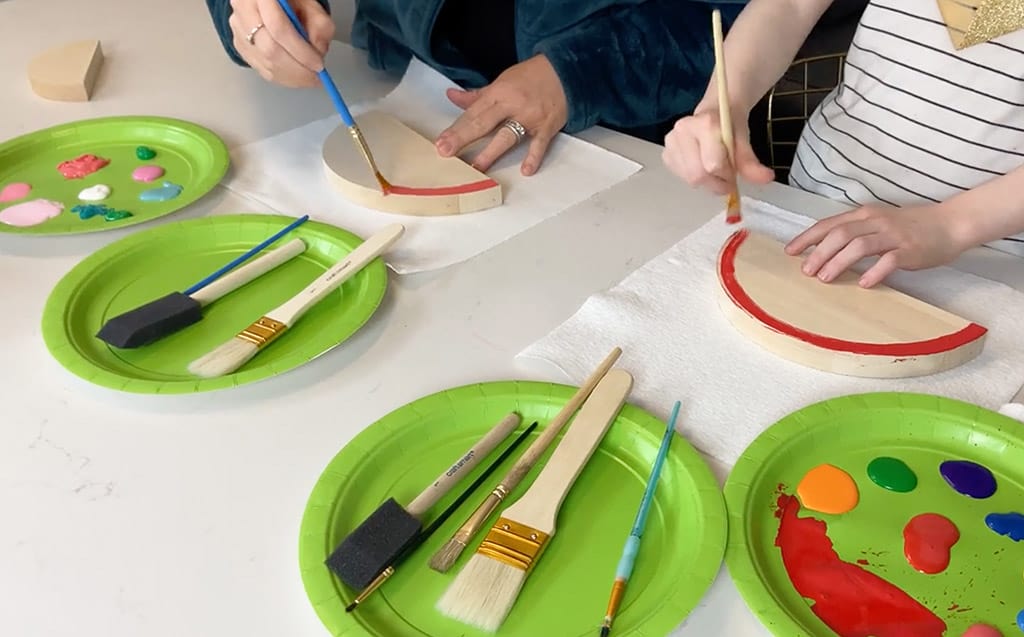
x: 538, y: 508
x: 255, y: 268
x: 463, y: 465
x: 725, y: 119
x: 338, y: 273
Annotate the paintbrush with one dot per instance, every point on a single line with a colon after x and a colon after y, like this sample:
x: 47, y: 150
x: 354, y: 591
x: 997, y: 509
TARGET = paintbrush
x: 485, y: 590
x: 247, y: 343
x: 378, y: 541
x: 424, y: 535
x: 632, y: 547
x: 339, y: 104
x: 732, y: 209
x: 446, y: 556
x: 177, y: 310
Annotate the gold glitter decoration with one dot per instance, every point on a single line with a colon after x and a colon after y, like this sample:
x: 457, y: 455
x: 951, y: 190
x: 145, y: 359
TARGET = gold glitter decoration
x: 972, y: 22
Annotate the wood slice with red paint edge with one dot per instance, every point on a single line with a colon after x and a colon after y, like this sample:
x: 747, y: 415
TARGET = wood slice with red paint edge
x: 837, y: 327
x: 423, y: 182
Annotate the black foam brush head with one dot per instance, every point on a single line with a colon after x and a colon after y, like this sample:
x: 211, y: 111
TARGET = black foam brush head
x: 374, y: 545
x: 152, y: 321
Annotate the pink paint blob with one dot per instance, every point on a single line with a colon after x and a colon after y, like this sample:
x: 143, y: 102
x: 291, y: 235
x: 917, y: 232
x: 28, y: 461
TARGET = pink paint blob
x: 31, y: 213
x: 982, y: 630
x: 81, y: 166
x: 15, y: 191
x: 147, y: 173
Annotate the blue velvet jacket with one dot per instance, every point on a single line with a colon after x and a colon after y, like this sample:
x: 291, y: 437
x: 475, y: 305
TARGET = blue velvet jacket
x: 626, y: 63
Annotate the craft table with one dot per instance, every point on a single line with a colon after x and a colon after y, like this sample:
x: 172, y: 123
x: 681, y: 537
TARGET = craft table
x: 127, y: 515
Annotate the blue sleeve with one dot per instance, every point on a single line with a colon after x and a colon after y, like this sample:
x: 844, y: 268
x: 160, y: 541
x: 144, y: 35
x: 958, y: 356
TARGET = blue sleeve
x: 636, y: 65
x: 220, y: 11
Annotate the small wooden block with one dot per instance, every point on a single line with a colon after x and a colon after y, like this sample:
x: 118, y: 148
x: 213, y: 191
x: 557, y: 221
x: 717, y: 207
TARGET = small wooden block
x: 837, y: 327
x: 423, y: 183
x: 68, y: 72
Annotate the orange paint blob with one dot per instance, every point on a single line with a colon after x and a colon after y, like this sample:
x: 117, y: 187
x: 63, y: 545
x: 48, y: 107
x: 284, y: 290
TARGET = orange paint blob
x: 828, y: 489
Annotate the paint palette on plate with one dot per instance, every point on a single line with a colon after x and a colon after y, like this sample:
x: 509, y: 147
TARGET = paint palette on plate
x: 891, y: 515
x: 105, y: 173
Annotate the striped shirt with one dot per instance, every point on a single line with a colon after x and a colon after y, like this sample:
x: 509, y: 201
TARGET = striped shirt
x: 915, y: 120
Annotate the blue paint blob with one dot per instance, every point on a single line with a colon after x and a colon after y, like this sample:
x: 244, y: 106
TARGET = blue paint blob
x: 1009, y: 524
x: 163, y: 193
x: 1020, y: 620
x: 969, y: 478
x: 90, y: 210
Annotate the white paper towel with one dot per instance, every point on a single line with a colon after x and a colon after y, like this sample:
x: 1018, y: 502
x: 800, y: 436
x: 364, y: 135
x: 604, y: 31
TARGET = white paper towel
x: 285, y: 173
x: 680, y: 346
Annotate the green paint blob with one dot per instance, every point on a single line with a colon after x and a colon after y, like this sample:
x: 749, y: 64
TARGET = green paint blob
x: 892, y: 474
x: 145, y: 152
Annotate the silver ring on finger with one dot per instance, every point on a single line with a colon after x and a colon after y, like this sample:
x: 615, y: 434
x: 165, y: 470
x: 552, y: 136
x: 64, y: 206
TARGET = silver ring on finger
x: 252, y: 34
x: 517, y: 129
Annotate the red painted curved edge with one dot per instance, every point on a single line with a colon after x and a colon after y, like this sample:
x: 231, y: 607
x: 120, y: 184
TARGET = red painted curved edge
x: 461, y: 189
x: 739, y: 296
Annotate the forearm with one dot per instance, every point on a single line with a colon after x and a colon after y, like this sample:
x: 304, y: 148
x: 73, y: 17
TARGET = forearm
x: 760, y: 47
x: 988, y: 212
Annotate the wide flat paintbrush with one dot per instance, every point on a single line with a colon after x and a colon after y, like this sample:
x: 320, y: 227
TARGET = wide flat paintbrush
x: 484, y: 592
x: 425, y: 534
x: 176, y: 311
x: 632, y: 547
x: 446, y: 556
x: 247, y: 343
x: 732, y: 210
x: 339, y: 104
x: 378, y: 541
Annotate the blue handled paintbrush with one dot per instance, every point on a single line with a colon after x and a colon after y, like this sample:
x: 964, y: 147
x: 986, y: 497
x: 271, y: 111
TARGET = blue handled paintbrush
x: 339, y: 103
x: 629, y: 552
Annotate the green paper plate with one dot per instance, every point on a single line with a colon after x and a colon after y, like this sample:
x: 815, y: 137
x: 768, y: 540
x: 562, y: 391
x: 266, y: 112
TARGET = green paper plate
x: 192, y: 156
x: 150, y: 264
x: 566, y: 594
x: 983, y: 581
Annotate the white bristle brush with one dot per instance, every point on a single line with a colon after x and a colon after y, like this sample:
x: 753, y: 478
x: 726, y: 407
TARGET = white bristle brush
x: 485, y: 590
x: 246, y: 344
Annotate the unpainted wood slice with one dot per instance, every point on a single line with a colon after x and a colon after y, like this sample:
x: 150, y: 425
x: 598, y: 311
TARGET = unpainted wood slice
x: 423, y: 183
x: 837, y: 327
x: 67, y: 72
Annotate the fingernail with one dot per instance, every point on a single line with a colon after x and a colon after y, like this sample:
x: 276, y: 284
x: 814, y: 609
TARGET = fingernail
x: 824, y: 276
x: 444, y: 147
x: 528, y: 169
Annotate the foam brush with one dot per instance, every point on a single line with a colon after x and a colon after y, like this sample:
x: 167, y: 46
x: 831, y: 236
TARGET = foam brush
x: 447, y: 555
x: 339, y: 104
x: 246, y: 344
x: 382, y: 537
x: 175, y: 311
x: 485, y: 590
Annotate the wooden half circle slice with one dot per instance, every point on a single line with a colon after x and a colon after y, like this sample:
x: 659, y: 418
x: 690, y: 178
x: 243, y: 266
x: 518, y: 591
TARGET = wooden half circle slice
x: 837, y: 327
x: 67, y: 72
x: 423, y: 182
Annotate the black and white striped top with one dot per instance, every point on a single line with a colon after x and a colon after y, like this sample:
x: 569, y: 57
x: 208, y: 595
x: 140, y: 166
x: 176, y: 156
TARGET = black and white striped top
x: 915, y: 120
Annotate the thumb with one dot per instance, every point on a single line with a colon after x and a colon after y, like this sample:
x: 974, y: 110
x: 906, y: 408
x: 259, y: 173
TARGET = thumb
x: 463, y: 99
x: 749, y: 166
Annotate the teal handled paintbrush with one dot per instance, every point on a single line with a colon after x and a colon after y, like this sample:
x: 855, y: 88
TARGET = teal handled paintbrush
x: 629, y: 552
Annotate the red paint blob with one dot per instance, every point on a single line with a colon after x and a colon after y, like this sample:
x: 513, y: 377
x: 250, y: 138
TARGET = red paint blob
x: 850, y: 600
x: 739, y: 296
x: 927, y: 542
x: 461, y: 189
x: 81, y: 166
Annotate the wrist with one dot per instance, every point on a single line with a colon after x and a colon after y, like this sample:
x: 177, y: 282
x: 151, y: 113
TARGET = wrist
x: 961, y: 226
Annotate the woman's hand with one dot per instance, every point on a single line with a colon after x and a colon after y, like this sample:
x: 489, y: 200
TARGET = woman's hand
x: 277, y: 50
x: 907, y: 239
x: 529, y: 93
x: 695, y: 153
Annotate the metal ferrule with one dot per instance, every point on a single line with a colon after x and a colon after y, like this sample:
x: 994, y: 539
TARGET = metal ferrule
x: 514, y: 544
x: 262, y: 332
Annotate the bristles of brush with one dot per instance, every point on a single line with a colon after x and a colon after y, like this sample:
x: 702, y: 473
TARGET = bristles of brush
x: 385, y: 185
x: 732, y: 208
x: 225, y: 359
x: 483, y: 593
x: 447, y: 555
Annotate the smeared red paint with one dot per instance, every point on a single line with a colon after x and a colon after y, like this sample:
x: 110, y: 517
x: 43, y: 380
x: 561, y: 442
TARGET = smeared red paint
x: 927, y: 542
x: 850, y: 600
x: 461, y: 189
x: 81, y: 166
x: 863, y: 562
x: 739, y: 296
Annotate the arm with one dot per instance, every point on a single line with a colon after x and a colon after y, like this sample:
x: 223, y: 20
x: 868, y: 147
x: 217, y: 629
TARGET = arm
x: 991, y: 211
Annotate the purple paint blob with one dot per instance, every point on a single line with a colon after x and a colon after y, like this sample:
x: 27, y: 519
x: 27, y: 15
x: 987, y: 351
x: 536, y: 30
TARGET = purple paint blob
x: 147, y: 173
x: 1009, y: 524
x: 15, y: 191
x: 968, y: 478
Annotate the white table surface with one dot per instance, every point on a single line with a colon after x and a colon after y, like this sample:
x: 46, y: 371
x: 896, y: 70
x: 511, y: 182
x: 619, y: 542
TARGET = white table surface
x: 127, y: 515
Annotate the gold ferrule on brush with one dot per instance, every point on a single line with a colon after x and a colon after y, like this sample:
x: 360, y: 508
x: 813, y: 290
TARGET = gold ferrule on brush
x: 618, y: 591
x: 262, y: 332
x: 374, y: 585
x: 357, y: 135
x: 514, y: 544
